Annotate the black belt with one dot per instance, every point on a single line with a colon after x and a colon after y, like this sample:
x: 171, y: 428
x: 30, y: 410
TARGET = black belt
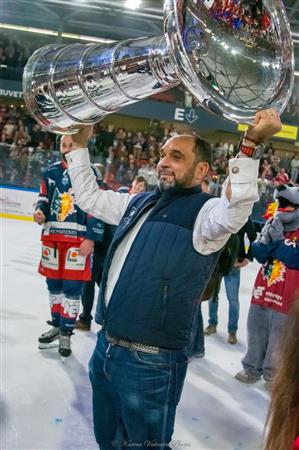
x: 137, y: 346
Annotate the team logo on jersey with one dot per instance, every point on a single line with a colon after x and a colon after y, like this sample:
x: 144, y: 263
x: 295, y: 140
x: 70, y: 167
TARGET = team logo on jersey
x: 63, y: 204
x: 46, y: 253
x: 50, y: 258
x: 74, y: 261
x: 274, y: 272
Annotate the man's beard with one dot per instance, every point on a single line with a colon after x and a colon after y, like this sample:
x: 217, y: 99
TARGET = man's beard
x: 164, y: 185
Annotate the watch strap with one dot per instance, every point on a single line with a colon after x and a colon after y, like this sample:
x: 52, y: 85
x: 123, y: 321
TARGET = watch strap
x: 248, y: 151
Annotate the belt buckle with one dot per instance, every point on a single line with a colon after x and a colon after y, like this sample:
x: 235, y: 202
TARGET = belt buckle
x: 135, y: 346
x: 145, y: 348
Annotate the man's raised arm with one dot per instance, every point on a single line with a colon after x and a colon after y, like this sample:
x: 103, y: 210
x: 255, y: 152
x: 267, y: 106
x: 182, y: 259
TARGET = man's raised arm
x: 220, y: 217
x: 108, y: 206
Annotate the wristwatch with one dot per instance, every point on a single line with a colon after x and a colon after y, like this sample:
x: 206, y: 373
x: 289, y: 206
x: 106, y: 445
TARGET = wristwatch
x: 252, y: 152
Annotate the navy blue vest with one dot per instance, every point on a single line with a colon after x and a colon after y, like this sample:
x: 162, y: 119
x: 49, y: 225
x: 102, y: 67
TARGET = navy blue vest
x: 155, y: 297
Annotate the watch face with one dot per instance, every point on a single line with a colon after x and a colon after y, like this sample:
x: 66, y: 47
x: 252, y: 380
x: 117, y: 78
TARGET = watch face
x: 258, y: 151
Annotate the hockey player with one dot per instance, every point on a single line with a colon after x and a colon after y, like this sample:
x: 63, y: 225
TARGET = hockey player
x: 68, y: 237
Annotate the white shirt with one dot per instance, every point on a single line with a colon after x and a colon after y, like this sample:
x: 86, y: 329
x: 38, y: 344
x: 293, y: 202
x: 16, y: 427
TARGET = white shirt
x: 216, y: 220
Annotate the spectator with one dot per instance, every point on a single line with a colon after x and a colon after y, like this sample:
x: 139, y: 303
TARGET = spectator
x: 148, y: 171
x: 295, y: 168
x: 282, y: 177
x: 285, y: 163
x: 138, y: 185
x: 275, y: 160
x: 283, y: 416
x: 239, y: 256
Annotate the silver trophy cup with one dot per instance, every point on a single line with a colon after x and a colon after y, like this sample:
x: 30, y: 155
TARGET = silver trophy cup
x: 234, y: 56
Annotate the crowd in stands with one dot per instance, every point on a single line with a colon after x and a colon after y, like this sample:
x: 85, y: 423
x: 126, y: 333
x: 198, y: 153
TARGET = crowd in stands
x: 25, y: 150
x: 14, y: 54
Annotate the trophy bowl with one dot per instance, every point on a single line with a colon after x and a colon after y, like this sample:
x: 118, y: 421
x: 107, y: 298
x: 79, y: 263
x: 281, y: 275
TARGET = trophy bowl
x: 234, y: 56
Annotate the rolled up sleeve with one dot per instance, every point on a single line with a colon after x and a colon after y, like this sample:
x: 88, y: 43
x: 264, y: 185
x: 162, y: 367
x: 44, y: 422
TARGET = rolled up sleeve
x: 219, y: 217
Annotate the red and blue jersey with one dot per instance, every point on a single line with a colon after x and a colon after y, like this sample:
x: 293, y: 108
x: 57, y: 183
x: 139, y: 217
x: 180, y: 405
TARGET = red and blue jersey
x: 277, y: 282
x: 65, y: 221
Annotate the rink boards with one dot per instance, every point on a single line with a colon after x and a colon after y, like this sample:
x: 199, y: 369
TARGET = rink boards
x: 17, y: 203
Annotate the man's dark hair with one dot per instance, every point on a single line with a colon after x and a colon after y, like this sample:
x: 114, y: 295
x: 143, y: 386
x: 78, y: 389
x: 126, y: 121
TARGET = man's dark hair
x: 202, y: 150
x: 140, y: 179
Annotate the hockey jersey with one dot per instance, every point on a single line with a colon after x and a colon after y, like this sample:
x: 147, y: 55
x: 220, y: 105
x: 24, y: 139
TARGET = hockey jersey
x: 65, y: 221
x: 277, y: 282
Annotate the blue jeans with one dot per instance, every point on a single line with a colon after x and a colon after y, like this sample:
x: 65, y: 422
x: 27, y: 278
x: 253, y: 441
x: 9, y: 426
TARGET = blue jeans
x: 232, y: 284
x: 135, y: 395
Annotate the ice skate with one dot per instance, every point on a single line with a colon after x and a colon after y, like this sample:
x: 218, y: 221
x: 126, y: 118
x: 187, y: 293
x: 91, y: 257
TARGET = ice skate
x: 49, y: 339
x: 65, y: 344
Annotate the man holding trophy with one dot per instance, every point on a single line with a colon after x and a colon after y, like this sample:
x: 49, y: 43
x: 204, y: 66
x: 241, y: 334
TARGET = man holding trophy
x: 163, y: 252
x: 167, y: 241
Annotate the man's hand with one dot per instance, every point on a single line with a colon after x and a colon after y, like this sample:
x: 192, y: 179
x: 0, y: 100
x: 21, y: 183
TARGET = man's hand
x: 86, y: 247
x: 80, y: 140
x: 265, y: 124
x: 240, y: 264
x: 39, y: 217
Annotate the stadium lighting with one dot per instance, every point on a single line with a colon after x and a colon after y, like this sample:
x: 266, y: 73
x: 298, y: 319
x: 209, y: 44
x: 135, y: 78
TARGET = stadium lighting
x: 78, y: 37
x: 133, y: 4
x: 28, y: 29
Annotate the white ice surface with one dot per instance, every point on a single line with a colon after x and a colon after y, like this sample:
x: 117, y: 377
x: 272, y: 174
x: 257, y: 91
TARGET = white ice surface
x: 46, y: 405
